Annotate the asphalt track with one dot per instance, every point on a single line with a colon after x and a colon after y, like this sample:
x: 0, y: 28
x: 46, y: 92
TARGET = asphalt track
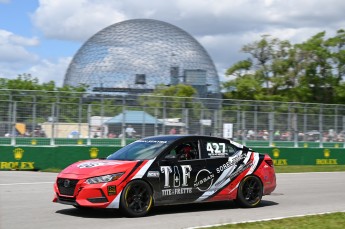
x: 25, y: 202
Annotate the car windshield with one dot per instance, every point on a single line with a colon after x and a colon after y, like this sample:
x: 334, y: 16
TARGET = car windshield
x: 139, y: 150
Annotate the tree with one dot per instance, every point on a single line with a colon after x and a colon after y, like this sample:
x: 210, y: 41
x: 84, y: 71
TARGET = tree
x: 173, y: 99
x: 311, y: 71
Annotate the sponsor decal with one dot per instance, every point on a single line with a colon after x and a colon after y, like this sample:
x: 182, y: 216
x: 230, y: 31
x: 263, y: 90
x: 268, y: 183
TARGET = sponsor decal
x: 111, y: 190
x: 238, y: 145
x: 326, y: 160
x: 154, y: 174
x: 18, y: 154
x: 276, y: 160
x: 203, y: 180
x: 94, y: 152
x: 176, y: 191
x: 231, y: 162
x: 17, y: 165
x: 152, y: 141
x: 96, y: 164
x: 231, y: 176
x: 179, y: 179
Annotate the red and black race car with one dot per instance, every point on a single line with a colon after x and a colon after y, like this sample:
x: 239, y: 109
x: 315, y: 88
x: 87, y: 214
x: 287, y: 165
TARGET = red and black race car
x: 163, y: 170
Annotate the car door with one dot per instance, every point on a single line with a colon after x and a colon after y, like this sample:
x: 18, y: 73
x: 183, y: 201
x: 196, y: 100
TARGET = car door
x: 178, y: 174
x: 222, y: 158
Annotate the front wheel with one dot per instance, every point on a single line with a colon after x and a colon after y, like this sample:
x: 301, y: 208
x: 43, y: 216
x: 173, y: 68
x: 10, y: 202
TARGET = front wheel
x: 249, y: 192
x: 136, y: 199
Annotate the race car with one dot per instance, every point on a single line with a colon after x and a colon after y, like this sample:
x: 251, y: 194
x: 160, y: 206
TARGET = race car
x: 166, y: 170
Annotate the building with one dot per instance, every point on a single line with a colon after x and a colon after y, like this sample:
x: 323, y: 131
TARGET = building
x: 135, y: 56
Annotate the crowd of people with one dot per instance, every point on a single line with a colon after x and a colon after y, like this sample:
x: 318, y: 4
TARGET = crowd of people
x: 314, y: 135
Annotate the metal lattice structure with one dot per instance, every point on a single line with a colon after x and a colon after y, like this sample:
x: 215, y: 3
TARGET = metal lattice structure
x: 138, y: 55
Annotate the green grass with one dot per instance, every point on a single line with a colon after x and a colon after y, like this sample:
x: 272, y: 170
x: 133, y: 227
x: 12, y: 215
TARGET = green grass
x: 324, y: 221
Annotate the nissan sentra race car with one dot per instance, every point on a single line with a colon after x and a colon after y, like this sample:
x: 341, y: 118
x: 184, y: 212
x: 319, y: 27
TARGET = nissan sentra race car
x: 165, y: 170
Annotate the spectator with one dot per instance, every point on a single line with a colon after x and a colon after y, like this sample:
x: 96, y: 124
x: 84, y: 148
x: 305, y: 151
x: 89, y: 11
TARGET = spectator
x: 130, y: 131
x: 172, y: 131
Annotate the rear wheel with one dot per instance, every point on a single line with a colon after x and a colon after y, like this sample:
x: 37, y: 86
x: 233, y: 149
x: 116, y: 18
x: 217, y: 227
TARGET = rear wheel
x: 136, y: 199
x: 249, y: 192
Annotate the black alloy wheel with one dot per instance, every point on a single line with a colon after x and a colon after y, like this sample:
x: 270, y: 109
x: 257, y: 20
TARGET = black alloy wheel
x: 249, y: 193
x: 136, y: 199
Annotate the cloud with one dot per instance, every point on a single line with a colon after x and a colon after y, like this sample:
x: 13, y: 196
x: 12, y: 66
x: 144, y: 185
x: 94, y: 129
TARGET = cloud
x: 74, y: 20
x: 221, y: 26
x: 47, y: 70
x: 15, y: 59
x: 12, y: 48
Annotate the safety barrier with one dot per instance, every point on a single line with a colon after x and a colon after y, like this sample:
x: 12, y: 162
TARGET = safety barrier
x: 58, y: 157
x: 42, y: 158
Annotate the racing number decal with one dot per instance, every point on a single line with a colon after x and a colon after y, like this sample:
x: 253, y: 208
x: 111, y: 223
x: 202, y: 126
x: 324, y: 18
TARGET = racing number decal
x: 215, y: 149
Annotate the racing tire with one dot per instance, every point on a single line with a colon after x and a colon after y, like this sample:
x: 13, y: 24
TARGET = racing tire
x: 249, y: 193
x: 136, y: 199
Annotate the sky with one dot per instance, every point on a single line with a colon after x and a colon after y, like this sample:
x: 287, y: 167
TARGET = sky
x: 40, y: 37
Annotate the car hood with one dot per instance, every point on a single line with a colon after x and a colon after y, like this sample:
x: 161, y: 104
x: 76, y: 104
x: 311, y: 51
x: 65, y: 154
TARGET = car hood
x: 91, y: 168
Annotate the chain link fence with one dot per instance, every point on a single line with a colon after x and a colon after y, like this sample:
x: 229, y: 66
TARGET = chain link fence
x: 64, y: 118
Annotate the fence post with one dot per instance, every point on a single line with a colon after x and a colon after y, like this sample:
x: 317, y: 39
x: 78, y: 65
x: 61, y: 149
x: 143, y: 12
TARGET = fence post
x: 244, y: 137
x: 123, y: 124
x: 89, y: 111
x: 156, y: 124
x: 13, y: 125
x: 34, y: 113
x: 295, y: 131
x: 321, y: 126
x: 80, y: 111
x: 52, y: 138
x: 144, y: 123
x: 344, y: 131
x: 238, y: 124
x: 255, y: 121
x: 202, y: 128
x: 164, y: 114
x: 271, y: 128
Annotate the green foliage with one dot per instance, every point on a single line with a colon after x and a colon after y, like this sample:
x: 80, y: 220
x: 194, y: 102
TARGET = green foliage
x: 312, y: 71
x: 175, y: 98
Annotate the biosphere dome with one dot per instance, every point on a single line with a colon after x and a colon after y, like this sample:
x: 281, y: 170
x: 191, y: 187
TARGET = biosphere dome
x: 137, y: 55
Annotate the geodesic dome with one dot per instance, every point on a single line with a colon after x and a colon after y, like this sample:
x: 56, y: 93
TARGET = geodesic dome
x: 140, y: 54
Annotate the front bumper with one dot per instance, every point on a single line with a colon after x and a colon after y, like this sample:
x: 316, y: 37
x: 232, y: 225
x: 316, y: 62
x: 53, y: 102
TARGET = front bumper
x: 79, y: 193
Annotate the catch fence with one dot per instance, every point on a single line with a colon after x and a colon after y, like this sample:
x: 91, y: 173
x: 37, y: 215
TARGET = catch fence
x: 64, y: 118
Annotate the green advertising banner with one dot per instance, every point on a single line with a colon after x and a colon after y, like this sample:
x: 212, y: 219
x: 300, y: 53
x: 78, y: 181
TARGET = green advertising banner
x: 40, y: 158
x: 59, y: 157
x: 304, y: 156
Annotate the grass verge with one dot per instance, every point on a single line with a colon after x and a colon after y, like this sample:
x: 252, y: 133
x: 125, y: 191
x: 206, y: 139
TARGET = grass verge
x: 331, y: 220
x: 309, y: 168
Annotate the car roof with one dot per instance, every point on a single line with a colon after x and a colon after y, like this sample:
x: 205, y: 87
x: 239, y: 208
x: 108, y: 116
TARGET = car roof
x: 175, y: 137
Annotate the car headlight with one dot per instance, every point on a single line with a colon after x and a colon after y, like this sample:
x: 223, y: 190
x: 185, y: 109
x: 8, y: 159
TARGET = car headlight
x: 104, y: 178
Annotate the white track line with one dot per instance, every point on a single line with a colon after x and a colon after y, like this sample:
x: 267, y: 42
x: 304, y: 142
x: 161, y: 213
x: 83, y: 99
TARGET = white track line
x: 26, y: 183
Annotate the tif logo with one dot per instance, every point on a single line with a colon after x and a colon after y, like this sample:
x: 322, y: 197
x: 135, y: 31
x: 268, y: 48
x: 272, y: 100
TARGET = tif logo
x: 167, y: 170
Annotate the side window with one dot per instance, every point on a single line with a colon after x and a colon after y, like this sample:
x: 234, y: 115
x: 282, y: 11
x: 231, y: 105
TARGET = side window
x: 186, y: 151
x: 215, y: 149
